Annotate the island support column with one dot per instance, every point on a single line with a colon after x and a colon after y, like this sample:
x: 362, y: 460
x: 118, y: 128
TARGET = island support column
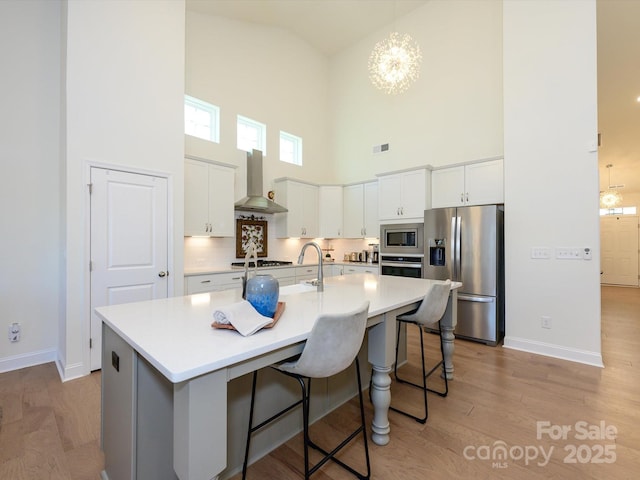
x: 381, y: 357
x: 200, y: 426
x: 447, y: 326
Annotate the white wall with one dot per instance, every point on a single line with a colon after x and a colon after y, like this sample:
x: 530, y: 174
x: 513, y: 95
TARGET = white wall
x: 29, y: 180
x: 551, y: 179
x: 453, y: 113
x: 265, y: 74
x: 124, y: 107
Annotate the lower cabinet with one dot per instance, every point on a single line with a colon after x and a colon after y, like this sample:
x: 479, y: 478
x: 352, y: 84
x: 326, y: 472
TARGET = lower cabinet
x: 353, y: 269
x: 212, y: 282
x: 310, y: 272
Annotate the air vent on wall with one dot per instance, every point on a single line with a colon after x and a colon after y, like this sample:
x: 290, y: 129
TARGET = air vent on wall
x: 381, y: 148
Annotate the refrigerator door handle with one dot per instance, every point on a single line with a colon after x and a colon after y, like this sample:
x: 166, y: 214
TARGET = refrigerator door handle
x: 471, y: 298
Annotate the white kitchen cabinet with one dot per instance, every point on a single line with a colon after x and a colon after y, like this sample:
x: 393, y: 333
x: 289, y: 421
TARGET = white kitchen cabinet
x: 310, y: 272
x: 361, y: 210
x: 285, y: 276
x: 330, y: 211
x: 479, y: 183
x: 212, y: 282
x: 404, y: 195
x: 301, y: 199
x: 353, y: 269
x: 208, y: 199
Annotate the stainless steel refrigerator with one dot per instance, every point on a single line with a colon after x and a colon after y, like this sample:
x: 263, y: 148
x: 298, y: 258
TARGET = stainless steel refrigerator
x: 466, y: 244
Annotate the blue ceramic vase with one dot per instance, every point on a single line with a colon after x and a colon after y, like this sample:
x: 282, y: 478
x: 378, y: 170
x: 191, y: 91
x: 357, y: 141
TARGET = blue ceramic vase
x: 262, y: 293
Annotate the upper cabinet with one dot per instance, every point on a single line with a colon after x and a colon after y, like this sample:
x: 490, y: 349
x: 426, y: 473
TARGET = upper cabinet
x: 301, y: 199
x: 330, y: 211
x: 361, y: 210
x: 208, y: 199
x: 404, y: 195
x: 478, y: 183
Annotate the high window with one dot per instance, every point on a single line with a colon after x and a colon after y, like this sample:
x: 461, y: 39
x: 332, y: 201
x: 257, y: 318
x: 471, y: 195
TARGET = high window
x: 251, y: 134
x: 290, y: 148
x: 201, y: 119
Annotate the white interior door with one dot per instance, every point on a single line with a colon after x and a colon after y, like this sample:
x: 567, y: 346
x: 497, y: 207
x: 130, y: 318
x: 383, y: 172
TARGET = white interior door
x: 619, y: 250
x: 129, y: 243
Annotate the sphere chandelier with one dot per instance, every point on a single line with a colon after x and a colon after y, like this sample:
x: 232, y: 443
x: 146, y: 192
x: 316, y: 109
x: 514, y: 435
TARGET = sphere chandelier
x: 611, y: 197
x: 394, y: 63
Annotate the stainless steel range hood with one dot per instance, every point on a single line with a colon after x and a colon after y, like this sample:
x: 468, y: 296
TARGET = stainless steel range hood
x: 255, y: 201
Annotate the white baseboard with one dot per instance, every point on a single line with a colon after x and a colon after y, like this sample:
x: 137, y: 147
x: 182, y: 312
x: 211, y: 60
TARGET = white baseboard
x: 70, y: 372
x: 25, y: 360
x: 557, y: 351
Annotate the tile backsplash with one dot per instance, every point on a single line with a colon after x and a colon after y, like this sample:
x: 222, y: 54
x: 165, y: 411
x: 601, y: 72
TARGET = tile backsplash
x: 209, y: 253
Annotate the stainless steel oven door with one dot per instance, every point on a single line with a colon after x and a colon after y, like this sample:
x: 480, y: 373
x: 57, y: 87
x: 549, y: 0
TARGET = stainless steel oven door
x: 401, y: 266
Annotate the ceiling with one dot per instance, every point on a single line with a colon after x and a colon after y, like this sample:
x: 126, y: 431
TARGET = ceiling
x: 332, y: 25
x: 328, y: 25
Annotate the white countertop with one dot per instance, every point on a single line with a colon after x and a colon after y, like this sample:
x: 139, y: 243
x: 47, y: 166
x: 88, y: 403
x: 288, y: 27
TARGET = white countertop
x: 176, y: 337
x: 226, y: 269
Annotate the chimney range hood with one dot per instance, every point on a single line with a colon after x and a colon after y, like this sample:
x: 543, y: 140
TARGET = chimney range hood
x: 255, y: 201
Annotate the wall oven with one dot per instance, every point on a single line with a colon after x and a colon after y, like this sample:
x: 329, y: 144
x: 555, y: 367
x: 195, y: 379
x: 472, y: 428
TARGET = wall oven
x: 402, y: 239
x: 402, y: 249
x: 402, y: 265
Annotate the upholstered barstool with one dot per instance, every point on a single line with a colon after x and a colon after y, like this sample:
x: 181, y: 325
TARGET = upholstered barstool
x: 428, y: 314
x: 331, y: 347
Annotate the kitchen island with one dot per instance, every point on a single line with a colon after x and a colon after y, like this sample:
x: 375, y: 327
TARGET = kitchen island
x: 166, y: 372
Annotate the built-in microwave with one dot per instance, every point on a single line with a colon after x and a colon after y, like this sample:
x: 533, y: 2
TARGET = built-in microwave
x: 402, y: 238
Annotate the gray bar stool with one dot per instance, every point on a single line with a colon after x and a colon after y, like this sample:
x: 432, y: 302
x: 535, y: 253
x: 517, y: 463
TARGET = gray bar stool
x: 429, y: 312
x: 332, y: 345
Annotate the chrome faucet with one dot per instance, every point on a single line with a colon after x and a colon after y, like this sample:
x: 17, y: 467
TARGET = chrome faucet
x: 301, y: 257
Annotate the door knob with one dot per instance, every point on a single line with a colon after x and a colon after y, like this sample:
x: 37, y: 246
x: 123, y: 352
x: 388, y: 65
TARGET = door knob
x: 163, y: 274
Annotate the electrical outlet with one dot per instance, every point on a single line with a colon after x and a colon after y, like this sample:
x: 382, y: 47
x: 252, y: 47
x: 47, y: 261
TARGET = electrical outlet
x: 545, y: 321
x: 14, y: 332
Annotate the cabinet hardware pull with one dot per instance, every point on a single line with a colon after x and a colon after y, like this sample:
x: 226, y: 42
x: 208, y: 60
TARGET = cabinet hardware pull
x: 162, y: 274
x: 205, y: 281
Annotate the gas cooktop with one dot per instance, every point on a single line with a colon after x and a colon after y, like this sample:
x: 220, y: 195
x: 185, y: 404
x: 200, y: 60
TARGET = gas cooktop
x: 263, y: 263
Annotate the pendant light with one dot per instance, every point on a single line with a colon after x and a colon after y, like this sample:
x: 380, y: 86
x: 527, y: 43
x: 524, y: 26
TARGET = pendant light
x: 394, y: 63
x: 611, y: 197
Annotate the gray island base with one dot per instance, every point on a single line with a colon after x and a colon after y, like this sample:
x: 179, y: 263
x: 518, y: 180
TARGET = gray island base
x: 175, y: 394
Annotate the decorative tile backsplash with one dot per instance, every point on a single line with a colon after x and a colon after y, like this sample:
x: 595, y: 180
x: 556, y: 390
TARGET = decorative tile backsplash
x: 218, y: 253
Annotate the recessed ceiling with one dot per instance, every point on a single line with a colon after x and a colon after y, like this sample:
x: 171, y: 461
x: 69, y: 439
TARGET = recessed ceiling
x: 332, y: 25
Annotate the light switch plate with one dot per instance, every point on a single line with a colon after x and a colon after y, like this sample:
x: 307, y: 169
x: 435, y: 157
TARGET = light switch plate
x: 568, y: 253
x: 541, y: 253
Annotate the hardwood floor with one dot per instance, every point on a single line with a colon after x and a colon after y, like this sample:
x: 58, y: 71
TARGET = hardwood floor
x: 51, y: 430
